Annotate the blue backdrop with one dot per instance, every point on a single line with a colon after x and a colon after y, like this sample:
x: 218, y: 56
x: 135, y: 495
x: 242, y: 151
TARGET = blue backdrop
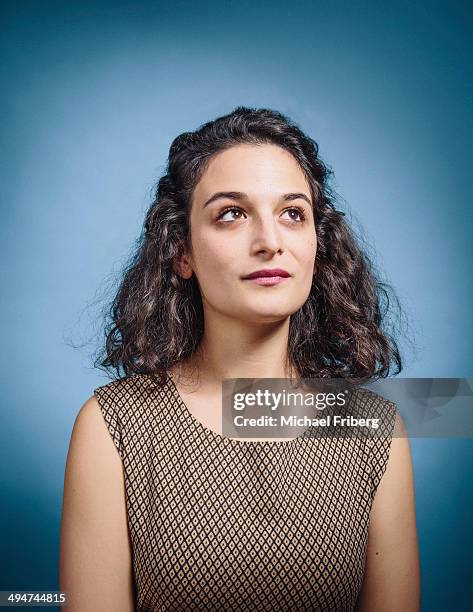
x: 92, y: 95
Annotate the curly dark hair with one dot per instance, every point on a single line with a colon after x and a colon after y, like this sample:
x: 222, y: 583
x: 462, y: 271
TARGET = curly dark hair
x: 156, y: 318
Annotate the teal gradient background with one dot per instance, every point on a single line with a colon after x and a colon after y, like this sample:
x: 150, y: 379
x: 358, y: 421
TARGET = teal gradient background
x: 93, y: 94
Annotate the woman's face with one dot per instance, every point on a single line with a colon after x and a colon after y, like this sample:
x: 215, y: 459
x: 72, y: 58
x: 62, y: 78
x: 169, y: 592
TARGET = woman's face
x: 252, y: 211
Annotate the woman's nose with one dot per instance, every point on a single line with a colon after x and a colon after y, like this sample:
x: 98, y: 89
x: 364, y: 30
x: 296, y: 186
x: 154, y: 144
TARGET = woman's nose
x: 267, y: 236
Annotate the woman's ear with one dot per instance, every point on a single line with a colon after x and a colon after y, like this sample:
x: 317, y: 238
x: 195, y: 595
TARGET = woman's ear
x: 182, y: 265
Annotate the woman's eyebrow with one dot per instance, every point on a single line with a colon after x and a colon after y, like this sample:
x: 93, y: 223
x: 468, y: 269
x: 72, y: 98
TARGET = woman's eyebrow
x: 239, y: 196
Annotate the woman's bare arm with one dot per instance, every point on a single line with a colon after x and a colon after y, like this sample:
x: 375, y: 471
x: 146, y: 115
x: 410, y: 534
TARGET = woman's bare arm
x: 95, y: 568
x: 392, y: 575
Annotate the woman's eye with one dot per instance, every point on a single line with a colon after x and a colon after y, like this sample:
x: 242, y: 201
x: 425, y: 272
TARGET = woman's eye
x: 226, y: 215
x: 295, y: 214
x: 234, y: 213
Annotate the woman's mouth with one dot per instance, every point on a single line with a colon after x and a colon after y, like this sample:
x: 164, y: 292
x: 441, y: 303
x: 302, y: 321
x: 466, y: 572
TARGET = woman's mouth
x: 268, y: 277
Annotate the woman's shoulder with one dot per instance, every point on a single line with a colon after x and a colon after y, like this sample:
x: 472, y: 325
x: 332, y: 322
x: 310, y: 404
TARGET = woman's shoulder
x: 387, y: 440
x: 90, y: 436
x: 121, y: 392
x: 93, y: 510
x: 128, y: 406
x: 367, y: 403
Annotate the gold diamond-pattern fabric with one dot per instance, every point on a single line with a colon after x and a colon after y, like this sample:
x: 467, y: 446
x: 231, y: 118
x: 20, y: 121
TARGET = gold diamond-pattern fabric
x: 224, y: 524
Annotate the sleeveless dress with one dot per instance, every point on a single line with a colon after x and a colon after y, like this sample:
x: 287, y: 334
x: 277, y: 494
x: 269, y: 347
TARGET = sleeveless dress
x: 222, y: 524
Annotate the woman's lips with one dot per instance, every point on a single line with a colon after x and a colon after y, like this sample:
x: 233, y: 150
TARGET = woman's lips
x: 268, y: 276
x: 267, y: 280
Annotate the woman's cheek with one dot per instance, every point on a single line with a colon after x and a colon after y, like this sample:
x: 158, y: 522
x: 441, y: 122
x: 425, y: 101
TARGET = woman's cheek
x: 218, y: 255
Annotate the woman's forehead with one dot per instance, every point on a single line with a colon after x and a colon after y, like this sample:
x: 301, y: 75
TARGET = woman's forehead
x: 264, y: 169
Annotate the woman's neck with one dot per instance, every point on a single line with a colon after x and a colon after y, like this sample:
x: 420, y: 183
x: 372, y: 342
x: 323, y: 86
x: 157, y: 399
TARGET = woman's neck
x: 239, y: 350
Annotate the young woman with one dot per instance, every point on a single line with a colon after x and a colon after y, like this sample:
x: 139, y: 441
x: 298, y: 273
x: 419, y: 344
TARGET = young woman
x: 245, y: 270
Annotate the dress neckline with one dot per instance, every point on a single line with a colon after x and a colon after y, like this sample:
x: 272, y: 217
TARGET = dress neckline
x: 210, y: 433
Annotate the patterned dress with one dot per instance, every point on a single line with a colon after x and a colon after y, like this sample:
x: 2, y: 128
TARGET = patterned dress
x: 223, y: 524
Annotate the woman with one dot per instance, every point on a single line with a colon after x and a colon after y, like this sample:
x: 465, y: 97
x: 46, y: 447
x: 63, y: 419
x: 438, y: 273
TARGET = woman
x: 161, y: 510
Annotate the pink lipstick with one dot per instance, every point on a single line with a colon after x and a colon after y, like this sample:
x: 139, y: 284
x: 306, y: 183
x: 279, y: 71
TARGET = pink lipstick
x: 268, y: 276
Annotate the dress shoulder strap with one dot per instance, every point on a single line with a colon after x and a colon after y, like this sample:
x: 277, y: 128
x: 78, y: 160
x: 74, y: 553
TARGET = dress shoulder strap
x: 379, y: 440
x: 129, y: 407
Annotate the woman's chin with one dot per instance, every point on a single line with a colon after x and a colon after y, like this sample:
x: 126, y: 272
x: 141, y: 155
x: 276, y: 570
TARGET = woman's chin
x: 267, y: 315
x: 271, y: 310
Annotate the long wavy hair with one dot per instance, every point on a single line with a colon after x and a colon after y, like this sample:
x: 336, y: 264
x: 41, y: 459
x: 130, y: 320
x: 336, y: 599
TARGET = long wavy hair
x: 156, y: 318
